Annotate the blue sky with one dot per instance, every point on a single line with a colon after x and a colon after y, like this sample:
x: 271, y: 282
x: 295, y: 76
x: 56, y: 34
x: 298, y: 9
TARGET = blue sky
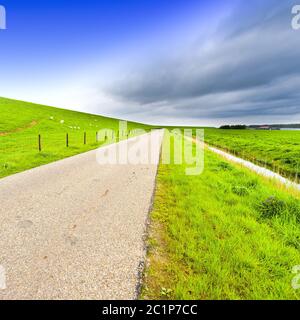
x: 158, y: 61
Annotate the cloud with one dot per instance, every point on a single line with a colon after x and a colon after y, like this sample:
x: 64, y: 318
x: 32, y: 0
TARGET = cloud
x: 249, y: 68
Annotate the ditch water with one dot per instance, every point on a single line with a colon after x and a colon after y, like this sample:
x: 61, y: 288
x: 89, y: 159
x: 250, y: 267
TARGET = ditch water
x: 260, y: 170
x: 289, y: 129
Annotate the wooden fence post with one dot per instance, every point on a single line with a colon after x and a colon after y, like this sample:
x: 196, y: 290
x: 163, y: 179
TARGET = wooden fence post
x: 67, y: 140
x: 84, y: 139
x: 40, y: 143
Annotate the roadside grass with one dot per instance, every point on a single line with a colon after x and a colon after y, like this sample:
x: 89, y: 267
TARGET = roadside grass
x: 22, y: 122
x: 276, y: 150
x: 225, y: 234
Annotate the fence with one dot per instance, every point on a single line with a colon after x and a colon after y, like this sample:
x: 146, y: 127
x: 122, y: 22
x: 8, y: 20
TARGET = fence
x: 44, y: 142
x: 68, y: 140
x: 23, y: 151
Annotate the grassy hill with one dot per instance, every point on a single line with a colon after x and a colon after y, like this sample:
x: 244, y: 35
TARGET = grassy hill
x: 21, y: 123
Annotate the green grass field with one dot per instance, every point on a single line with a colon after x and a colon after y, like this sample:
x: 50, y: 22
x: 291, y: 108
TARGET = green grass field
x: 225, y: 234
x: 277, y: 150
x: 22, y: 122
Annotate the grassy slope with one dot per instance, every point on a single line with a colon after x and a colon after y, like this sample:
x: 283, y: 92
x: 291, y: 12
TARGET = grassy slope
x: 21, y: 122
x: 213, y: 236
x: 278, y: 150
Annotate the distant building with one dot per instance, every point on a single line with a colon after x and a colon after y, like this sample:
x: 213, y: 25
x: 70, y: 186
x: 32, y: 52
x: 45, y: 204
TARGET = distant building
x: 264, y: 128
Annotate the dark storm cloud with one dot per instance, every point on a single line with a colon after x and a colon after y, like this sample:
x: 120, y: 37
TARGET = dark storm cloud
x: 251, y: 67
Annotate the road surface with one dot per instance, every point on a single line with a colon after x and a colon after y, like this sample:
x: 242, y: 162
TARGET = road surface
x: 75, y: 229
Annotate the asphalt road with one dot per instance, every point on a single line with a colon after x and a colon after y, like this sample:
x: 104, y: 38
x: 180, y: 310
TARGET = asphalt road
x: 75, y: 229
